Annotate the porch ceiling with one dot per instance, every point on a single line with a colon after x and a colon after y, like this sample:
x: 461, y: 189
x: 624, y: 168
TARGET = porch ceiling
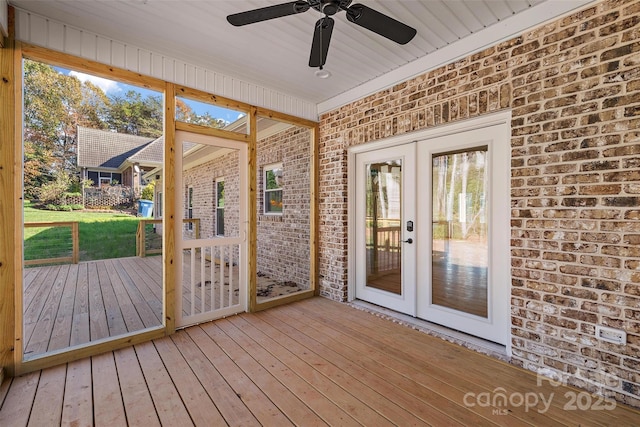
x: 275, y: 54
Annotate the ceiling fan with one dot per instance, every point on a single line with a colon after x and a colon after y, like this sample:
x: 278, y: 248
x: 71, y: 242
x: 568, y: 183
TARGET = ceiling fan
x: 358, y: 13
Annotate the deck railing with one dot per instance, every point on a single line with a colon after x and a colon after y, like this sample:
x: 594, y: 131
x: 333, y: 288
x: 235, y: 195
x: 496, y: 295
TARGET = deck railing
x: 385, y: 249
x: 75, y: 243
x: 141, y: 235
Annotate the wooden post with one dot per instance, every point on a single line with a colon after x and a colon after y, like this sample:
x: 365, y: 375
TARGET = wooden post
x: 252, y: 240
x: 169, y: 226
x: 75, y: 238
x: 140, y: 238
x: 10, y: 254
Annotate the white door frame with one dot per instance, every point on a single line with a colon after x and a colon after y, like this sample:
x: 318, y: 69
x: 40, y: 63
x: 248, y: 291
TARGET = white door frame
x: 240, y: 240
x: 405, y: 301
x: 501, y: 118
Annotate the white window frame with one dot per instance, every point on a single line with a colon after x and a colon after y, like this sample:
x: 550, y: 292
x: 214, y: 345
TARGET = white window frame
x: 265, y: 191
x: 217, y: 208
x: 189, y: 206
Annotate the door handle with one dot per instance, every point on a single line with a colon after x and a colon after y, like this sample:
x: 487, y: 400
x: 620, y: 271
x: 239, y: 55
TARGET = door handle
x: 409, y: 240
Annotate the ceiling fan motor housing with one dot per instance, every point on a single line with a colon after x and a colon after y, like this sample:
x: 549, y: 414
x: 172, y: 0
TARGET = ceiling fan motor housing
x: 329, y: 7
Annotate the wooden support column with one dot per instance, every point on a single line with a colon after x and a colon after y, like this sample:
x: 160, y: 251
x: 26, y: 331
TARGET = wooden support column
x: 10, y: 255
x: 169, y: 228
x: 253, y: 211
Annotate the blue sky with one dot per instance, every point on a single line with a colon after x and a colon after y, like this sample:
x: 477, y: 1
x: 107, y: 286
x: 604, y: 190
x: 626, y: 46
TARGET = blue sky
x: 113, y: 88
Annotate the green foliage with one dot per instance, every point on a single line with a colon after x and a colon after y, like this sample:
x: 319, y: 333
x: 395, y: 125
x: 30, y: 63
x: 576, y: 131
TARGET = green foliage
x: 147, y: 191
x: 54, y: 106
x: 54, y: 191
x: 77, y: 207
x: 134, y: 115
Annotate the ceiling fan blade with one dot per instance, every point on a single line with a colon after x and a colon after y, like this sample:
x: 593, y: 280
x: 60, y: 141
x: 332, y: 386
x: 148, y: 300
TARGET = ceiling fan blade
x: 380, y: 23
x: 269, y: 12
x: 321, y: 39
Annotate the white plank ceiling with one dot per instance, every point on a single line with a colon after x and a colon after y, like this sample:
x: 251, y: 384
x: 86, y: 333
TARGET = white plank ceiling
x: 275, y: 53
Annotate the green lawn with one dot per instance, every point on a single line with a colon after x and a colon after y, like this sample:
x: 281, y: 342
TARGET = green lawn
x: 102, y: 235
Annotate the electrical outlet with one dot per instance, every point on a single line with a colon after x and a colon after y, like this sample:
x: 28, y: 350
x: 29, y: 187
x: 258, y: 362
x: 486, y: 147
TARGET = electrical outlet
x: 616, y: 336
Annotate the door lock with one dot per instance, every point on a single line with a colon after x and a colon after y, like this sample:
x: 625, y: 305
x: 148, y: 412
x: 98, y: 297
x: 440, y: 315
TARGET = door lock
x: 409, y: 225
x: 409, y: 240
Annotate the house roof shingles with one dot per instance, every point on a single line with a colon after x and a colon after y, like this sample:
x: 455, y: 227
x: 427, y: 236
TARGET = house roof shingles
x: 105, y: 149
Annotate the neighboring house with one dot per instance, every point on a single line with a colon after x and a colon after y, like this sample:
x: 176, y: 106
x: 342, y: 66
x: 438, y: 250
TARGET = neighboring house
x: 108, y: 158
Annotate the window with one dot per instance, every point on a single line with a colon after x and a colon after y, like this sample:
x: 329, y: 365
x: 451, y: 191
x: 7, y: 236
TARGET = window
x: 219, y: 193
x: 190, y: 207
x: 158, y: 207
x: 273, y: 189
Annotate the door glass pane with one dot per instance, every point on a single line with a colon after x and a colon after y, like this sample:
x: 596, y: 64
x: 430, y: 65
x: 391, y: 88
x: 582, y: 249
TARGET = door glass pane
x: 382, y: 225
x: 460, y: 250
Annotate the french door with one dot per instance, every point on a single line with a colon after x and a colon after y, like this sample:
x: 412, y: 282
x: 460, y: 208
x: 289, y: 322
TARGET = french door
x: 452, y: 192
x: 385, y: 208
x: 213, y: 267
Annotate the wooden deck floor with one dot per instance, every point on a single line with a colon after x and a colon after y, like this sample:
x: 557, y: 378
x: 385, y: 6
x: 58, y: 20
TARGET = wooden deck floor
x: 73, y: 304
x: 66, y: 305
x: 314, y: 362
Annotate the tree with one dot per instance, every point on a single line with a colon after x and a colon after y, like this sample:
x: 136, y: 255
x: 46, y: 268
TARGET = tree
x: 54, y: 106
x: 134, y: 115
x: 184, y: 113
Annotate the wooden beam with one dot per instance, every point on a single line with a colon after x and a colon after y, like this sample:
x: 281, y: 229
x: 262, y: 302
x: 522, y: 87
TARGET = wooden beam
x: 67, y: 61
x: 221, y: 101
x: 315, y: 218
x: 218, y: 133
x: 253, y: 210
x: 169, y: 226
x: 9, y: 173
x: 90, y: 349
x: 283, y: 117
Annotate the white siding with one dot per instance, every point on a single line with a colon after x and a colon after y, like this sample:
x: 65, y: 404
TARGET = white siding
x: 35, y: 29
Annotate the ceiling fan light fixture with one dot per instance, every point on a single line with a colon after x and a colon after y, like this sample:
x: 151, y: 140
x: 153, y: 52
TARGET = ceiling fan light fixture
x: 322, y: 73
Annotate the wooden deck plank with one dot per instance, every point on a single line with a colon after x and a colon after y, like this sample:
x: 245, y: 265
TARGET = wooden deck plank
x: 78, y: 400
x: 80, y: 328
x: 364, y: 414
x: 148, y: 281
x: 115, y: 319
x: 43, y: 322
x: 47, y: 405
x: 61, y: 333
x: 381, y: 393
x: 248, y: 393
x: 416, y: 391
x: 134, y: 290
x: 227, y: 401
x: 166, y: 399
x: 98, y: 326
x: 288, y: 365
x: 16, y: 407
x: 108, y: 407
x: 466, y: 370
x: 452, y: 382
x: 320, y: 404
x: 197, y: 401
x: 287, y: 401
x: 39, y: 295
x: 131, y: 318
x: 135, y: 392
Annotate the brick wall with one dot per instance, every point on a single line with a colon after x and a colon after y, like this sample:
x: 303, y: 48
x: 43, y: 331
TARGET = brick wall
x: 284, y: 240
x: 202, y: 178
x: 573, y: 86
